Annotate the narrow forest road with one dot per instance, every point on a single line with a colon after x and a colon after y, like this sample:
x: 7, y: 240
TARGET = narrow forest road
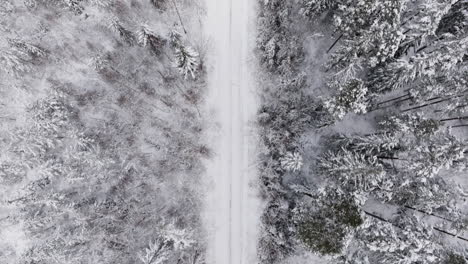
x: 232, y: 207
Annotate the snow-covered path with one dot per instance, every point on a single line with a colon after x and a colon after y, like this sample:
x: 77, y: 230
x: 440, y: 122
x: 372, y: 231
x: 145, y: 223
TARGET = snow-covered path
x: 232, y: 208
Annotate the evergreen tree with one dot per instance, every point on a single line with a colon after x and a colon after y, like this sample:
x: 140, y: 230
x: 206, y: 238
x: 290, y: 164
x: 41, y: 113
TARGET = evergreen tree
x: 410, y: 124
x: 384, y: 145
x: 444, y: 151
x: 422, y: 18
x: 354, y: 173
x: 161, y: 249
x: 405, y: 240
x: 327, y: 222
x: 292, y: 161
x: 187, y: 59
x: 116, y: 27
x: 455, y: 21
x: 147, y: 38
x: 314, y: 8
x: 371, y: 32
x: 350, y: 98
x: 443, y: 59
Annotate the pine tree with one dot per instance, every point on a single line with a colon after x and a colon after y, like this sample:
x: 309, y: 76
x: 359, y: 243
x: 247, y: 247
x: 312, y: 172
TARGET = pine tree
x: 147, y: 38
x: 352, y: 18
x: 160, y: 250
x: 408, y: 124
x: 314, y: 8
x: 373, y: 146
x: 429, y: 195
x: 405, y: 240
x: 292, y: 161
x: 444, y: 151
x: 455, y: 21
x: 187, y: 59
x: 350, y: 98
x: 371, y: 32
x: 116, y: 27
x: 20, y: 56
x: 422, y: 19
x: 12, y: 63
x: 443, y: 59
x: 326, y: 223
x: 354, y: 173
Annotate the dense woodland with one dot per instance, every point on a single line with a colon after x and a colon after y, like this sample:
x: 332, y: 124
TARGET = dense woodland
x: 363, y: 126
x: 364, y: 130
x: 100, y: 131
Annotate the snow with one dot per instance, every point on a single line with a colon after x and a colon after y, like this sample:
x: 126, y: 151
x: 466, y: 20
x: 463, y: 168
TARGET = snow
x: 232, y: 208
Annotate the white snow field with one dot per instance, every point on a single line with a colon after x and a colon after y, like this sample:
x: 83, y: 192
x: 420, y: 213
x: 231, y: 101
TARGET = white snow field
x: 232, y: 207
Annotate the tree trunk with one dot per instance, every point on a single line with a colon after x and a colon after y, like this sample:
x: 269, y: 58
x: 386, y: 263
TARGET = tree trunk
x: 453, y: 118
x: 178, y: 14
x: 427, y: 213
x: 391, y: 100
x: 334, y: 43
x: 435, y: 228
x: 425, y: 105
x: 390, y: 105
x: 374, y: 134
x: 450, y: 234
x: 389, y: 158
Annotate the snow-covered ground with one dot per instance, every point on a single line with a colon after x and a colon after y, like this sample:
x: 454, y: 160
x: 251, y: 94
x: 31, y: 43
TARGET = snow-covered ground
x: 232, y: 212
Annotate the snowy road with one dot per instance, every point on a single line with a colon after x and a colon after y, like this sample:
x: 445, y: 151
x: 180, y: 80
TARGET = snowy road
x: 232, y: 208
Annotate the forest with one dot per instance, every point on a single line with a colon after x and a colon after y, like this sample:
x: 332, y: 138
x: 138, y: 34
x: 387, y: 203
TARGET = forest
x: 100, y: 127
x: 362, y: 131
x: 363, y: 122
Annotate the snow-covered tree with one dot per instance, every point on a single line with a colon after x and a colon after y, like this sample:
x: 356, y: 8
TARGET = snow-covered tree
x: 326, y: 223
x: 148, y: 38
x: 187, y: 59
x: 314, y: 8
x: 355, y: 173
x: 353, y: 17
x: 404, y: 240
x: 422, y: 18
x: 380, y: 145
x: 13, y: 64
x: 351, y: 97
x: 117, y: 28
x: 443, y: 59
x: 430, y: 195
x: 455, y: 21
x: 370, y: 30
x: 160, y: 250
x: 416, y: 47
x: 445, y: 151
x: 280, y: 50
x: 406, y: 124
x: 292, y: 161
